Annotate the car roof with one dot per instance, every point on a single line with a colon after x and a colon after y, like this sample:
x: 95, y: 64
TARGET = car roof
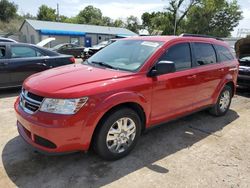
x: 7, y: 40
x: 169, y: 38
x: 19, y: 43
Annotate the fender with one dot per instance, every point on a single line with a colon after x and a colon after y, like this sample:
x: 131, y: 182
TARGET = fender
x: 119, y: 98
x: 108, y: 103
x: 227, y: 78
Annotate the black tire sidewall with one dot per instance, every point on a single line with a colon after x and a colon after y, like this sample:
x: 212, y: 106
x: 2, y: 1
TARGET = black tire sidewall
x: 100, y: 140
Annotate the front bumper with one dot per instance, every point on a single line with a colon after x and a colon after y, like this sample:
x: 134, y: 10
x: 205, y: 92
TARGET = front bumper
x: 53, y: 133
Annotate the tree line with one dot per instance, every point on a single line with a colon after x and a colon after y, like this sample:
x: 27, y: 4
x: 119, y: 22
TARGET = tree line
x: 211, y: 17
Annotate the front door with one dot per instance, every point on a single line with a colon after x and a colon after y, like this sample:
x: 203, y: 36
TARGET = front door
x: 4, y: 68
x: 25, y: 61
x: 173, y: 93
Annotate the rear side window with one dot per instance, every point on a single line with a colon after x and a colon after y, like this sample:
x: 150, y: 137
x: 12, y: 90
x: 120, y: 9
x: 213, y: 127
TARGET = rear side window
x: 223, y: 53
x: 2, y: 52
x: 204, y: 53
x: 23, y: 51
x: 180, y: 54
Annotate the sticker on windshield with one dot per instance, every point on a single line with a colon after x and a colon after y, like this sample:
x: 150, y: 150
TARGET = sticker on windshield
x: 151, y: 44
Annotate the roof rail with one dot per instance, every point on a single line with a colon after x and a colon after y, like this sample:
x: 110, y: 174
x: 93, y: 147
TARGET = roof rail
x: 198, y: 35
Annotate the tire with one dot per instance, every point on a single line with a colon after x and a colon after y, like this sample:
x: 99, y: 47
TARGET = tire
x: 223, y: 103
x: 113, y: 141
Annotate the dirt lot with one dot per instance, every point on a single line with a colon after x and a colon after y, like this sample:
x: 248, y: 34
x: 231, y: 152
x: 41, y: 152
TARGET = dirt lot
x: 195, y: 151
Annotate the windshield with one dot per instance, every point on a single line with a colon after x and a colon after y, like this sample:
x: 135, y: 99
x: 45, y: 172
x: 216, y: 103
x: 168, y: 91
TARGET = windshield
x: 127, y: 55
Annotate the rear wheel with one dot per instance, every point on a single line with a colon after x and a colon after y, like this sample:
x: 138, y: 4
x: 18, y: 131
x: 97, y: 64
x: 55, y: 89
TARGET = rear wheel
x: 118, y: 134
x: 223, y: 102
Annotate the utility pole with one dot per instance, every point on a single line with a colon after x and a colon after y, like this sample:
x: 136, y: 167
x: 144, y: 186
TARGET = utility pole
x: 57, y: 17
x: 175, y: 21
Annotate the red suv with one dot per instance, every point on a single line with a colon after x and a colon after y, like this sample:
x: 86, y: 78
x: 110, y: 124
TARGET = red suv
x: 129, y: 86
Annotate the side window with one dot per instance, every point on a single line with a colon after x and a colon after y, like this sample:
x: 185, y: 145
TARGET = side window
x: 223, y: 53
x: 205, y: 54
x: 2, y: 52
x: 39, y: 54
x: 180, y: 54
x: 22, y: 51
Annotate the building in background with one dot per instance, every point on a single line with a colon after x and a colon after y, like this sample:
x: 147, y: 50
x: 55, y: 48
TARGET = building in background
x: 33, y: 31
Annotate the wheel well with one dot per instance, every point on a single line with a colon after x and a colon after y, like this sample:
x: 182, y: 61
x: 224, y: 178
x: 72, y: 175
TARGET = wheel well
x: 134, y: 106
x: 231, y: 84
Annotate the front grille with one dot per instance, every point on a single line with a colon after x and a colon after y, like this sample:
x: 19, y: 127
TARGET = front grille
x: 245, y: 63
x: 30, y: 102
x: 241, y: 72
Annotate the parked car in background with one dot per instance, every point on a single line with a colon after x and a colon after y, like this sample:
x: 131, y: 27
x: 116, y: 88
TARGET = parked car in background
x: 88, y: 52
x: 242, y: 48
x: 129, y: 86
x: 244, y: 71
x: 69, y: 49
x: 18, y: 61
x: 2, y: 39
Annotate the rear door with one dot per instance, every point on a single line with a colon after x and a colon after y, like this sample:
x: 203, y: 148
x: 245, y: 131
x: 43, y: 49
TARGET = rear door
x: 4, y: 68
x: 173, y: 93
x: 208, y: 73
x: 25, y: 61
x: 226, y: 60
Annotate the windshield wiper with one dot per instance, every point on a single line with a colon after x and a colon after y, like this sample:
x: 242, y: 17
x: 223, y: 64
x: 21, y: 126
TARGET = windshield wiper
x: 103, y: 64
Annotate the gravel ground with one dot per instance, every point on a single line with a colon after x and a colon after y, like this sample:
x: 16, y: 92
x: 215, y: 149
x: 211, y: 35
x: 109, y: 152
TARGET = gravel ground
x: 196, y: 151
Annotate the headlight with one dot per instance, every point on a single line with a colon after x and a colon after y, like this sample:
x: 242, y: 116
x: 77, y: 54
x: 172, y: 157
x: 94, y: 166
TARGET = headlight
x: 63, y: 106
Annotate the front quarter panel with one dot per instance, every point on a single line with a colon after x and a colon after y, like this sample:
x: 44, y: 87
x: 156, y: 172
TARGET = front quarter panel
x: 103, y: 106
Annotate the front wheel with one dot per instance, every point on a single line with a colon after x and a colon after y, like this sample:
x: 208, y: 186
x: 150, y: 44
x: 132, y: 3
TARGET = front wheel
x: 117, y: 134
x: 223, y: 102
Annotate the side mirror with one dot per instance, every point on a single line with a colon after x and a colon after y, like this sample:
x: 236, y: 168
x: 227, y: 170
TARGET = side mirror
x: 162, y: 67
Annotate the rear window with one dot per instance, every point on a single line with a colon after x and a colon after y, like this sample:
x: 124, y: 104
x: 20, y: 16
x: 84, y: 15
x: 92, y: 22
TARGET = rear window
x: 223, y: 53
x: 205, y: 54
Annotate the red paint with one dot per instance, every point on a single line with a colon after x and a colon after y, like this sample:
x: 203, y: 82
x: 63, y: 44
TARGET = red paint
x: 162, y: 98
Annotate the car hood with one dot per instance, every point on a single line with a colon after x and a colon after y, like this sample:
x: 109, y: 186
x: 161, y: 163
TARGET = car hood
x: 71, y: 80
x: 45, y: 41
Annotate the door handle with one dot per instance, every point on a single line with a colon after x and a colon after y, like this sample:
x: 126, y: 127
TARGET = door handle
x: 43, y: 64
x: 3, y: 63
x: 221, y: 70
x: 192, y: 77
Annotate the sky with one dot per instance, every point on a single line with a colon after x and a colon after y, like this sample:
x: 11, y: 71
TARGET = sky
x: 116, y: 9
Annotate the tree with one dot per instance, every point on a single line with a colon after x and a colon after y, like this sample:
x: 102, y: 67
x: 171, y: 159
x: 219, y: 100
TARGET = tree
x: 214, y: 17
x: 171, y: 19
x: 28, y: 16
x: 158, y: 21
x: 46, y: 13
x: 90, y: 15
x: 7, y: 10
x: 118, y: 23
x: 211, y: 17
x: 132, y: 23
x: 179, y: 9
x: 106, y: 21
